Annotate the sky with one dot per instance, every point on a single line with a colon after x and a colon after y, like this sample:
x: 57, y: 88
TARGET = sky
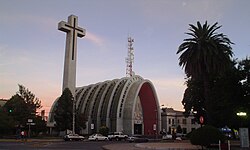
x: 32, y: 48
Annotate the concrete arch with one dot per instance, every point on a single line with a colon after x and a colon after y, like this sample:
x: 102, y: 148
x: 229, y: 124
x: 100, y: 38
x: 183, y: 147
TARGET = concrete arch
x: 150, y: 106
x: 113, y: 102
x: 145, y: 92
x: 112, y: 106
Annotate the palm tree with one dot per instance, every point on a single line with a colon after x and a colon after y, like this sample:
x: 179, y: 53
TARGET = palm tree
x: 204, y: 55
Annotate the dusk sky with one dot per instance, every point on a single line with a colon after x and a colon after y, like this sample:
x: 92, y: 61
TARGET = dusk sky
x: 32, y: 48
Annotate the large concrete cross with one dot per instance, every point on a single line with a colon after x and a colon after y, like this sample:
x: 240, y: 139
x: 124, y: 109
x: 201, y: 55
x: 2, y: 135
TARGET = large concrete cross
x: 73, y: 31
x: 69, y: 76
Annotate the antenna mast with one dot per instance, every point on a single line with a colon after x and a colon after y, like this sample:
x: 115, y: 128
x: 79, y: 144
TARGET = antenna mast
x: 130, y: 58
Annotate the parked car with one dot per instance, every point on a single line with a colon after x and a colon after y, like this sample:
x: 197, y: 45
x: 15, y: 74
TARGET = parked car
x: 73, y: 137
x: 117, y: 136
x: 137, y: 139
x: 180, y: 136
x: 97, y: 137
x: 167, y: 137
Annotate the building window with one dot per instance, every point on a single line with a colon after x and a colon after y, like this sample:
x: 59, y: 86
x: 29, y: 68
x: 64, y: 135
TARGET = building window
x: 173, y: 121
x: 178, y: 121
x: 169, y: 121
x: 184, y: 121
x: 193, y: 121
x: 184, y: 130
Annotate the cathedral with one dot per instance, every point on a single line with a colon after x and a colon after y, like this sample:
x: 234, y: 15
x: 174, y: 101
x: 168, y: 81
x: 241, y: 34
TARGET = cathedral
x: 129, y: 105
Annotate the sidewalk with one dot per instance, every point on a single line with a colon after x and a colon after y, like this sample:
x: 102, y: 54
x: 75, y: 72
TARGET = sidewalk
x: 154, y: 146
x: 168, y: 146
x: 175, y: 145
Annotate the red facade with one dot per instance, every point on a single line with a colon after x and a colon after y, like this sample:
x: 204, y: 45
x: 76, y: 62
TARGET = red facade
x: 149, y: 107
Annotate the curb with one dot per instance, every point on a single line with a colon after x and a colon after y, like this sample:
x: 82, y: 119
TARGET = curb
x: 104, y: 147
x: 167, y: 146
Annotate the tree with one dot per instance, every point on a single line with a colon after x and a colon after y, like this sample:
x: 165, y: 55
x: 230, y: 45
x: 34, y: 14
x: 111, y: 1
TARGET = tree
x: 205, y: 55
x: 17, y: 109
x: 229, y: 95
x: 40, y: 126
x: 7, y: 123
x: 80, y: 121
x: 244, y: 69
x: 104, y: 130
x: 193, y: 99
x: 63, y: 112
x: 21, y: 107
x: 206, y: 135
x: 29, y: 98
x: 226, y: 96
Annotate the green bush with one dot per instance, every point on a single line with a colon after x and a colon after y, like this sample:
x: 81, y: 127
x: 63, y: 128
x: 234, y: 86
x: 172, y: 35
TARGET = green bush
x: 206, y: 136
x: 104, y: 130
x: 188, y: 135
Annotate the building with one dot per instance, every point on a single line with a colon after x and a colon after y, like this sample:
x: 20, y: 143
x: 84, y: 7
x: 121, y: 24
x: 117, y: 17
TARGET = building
x: 171, y: 119
x: 129, y: 105
x: 2, y: 102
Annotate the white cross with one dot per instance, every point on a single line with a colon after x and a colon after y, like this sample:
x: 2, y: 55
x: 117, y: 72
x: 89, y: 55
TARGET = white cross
x: 73, y: 31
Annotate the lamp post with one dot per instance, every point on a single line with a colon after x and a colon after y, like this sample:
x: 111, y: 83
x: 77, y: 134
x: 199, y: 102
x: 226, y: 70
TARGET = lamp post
x: 244, y: 137
x: 241, y: 115
x: 74, y: 115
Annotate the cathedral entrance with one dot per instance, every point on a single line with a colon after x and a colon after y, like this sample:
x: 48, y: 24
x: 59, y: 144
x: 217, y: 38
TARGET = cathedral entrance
x: 138, y: 116
x: 137, y: 128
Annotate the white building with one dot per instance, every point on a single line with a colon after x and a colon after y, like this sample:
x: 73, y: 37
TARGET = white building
x: 171, y: 119
x: 128, y: 105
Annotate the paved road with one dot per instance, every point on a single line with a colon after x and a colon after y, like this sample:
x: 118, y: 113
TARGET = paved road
x: 96, y: 145
x: 45, y: 145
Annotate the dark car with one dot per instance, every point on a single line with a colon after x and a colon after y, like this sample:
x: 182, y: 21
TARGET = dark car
x: 137, y: 139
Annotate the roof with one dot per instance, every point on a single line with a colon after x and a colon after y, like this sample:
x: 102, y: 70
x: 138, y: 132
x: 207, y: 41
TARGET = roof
x: 2, y: 102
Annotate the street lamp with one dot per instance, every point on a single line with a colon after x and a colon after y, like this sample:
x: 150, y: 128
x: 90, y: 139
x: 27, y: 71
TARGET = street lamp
x: 244, y: 136
x: 242, y: 114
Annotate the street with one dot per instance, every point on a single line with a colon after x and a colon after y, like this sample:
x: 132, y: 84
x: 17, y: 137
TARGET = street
x: 43, y: 145
x: 39, y: 144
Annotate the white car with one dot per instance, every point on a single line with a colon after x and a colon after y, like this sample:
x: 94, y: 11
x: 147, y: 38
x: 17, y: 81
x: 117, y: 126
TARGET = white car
x: 97, y: 137
x: 167, y: 137
x: 117, y: 136
x: 71, y: 137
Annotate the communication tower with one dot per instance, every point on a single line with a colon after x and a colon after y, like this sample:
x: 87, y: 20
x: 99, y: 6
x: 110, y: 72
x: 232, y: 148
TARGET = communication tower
x: 130, y: 58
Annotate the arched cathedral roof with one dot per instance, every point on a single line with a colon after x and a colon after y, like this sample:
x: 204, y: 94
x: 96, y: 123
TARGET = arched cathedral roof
x: 104, y: 103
